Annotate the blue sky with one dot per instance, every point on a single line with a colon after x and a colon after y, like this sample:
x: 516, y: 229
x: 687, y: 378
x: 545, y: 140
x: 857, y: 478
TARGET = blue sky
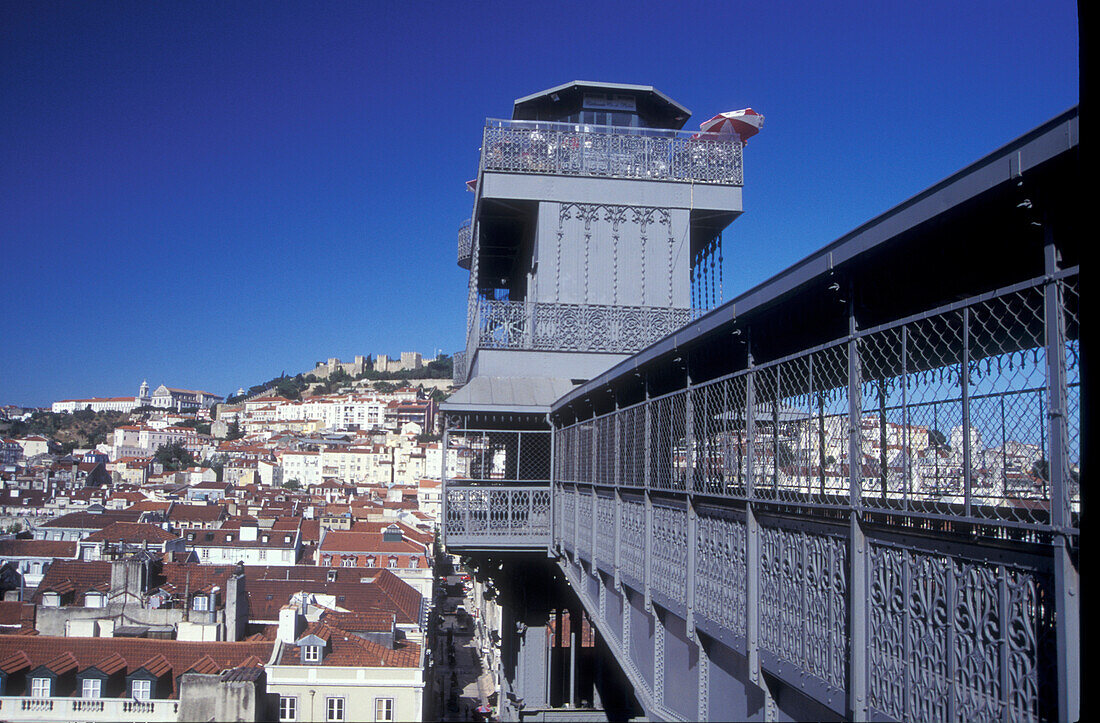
x: 208, y: 194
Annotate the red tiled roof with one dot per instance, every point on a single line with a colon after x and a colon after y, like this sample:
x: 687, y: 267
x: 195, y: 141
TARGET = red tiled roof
x: 133, y: 532
x: 158, y: 665
x: 362, y: 590
x: 77, y: 576
x: 349, y: 650
x: 36, y: 548
x: 348, y: 541
x: 62, y: 664
x: 166, y: 657
x: 196, y: 513
x: 93, y: 520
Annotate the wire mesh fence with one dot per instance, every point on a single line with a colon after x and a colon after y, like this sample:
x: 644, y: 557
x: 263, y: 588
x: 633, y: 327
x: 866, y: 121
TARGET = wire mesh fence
x: 951, y: 414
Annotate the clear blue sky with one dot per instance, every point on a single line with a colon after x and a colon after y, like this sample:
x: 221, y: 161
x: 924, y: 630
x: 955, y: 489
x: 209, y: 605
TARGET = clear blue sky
x: 207, y: 194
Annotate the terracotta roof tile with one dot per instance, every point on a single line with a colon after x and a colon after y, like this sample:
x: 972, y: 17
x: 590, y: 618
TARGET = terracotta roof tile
x: 158, y: 665
x: 133, y: 532
x: 16, y: 660
x: 111, y: 664
x: 37, y: 548
x: 163, y: 657
x: 62, y: 664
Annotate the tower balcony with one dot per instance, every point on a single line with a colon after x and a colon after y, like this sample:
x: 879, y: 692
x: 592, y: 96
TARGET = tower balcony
x: 495, y: 516
x: 571, y: 149
x: 465, y: 245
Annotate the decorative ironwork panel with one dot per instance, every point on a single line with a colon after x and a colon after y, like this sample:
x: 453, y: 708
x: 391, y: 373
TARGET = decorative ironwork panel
x: 584, y: 521
x: 459, y: 372
x: 504, y: 324
x: 952, y: 639
x: 803, y: 589
x: 632, y: 538
x: 670, y: 552
x: 465, y: 244
x: 720, y: 571
x: 609, y: 152
x: 568, y: 516
x: 506, y: 515
x: 605, y: 530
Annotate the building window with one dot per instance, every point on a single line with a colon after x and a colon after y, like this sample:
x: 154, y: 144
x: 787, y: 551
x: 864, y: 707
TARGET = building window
x: 40, y: 687
x: 393, y: 562
x: 288, y: 708
x: 141, y: 689
x: 312, y: 654
x: 334, y: 709
x: 348, y: 562
x: 92, y: 688
x: 383, y: 710
x: 199, y: 603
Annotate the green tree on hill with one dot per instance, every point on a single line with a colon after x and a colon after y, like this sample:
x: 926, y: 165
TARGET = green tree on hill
x: 174, y: 457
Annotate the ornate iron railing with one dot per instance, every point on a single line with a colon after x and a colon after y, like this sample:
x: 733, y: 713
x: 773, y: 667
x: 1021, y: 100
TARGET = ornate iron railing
x: 465, y: 244
x: 497, y: 516
x: 575, y: 327
x: 610, y: 152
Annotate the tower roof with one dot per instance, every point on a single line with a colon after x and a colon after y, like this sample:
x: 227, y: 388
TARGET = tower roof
x: 661, y: 110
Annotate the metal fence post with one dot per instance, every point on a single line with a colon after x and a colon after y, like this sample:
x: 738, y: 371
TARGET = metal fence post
x: 857, y: 541
x: 648, y: 561
x: 752, y: 532
x: 964, y: 383
x: 692, y: 521
x: 555, y: 532
x: 443, y: 480
x: 618, y: 497
x: 1066, y: 576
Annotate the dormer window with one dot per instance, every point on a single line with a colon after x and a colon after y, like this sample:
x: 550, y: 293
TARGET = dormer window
x: 41, y: 687
x: 201, y: 603
x: 229, y: 537
x: 311, y: 654
x: 93, y: 600
x: 141, y: 689
x: 51, y: 599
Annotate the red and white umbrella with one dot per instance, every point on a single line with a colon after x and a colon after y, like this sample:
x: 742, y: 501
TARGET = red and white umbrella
x: 746, y: 123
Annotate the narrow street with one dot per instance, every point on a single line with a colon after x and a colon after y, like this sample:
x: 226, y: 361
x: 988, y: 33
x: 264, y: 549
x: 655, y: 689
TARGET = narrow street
x: 460, y: 684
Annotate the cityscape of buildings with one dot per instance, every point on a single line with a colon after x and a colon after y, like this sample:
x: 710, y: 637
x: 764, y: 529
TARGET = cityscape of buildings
x: 851, y: 492
x: 282, y: 563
